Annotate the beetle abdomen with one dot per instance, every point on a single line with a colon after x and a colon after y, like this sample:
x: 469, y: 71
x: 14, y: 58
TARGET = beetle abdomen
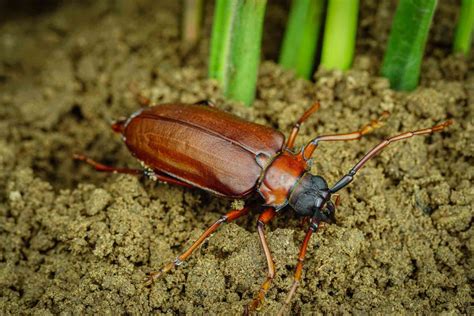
x: 202, y: 146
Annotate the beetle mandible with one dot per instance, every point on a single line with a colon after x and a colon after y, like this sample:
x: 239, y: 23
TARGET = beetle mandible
x: 198, y: 145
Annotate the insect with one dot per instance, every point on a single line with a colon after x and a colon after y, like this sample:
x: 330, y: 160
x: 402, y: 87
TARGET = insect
x: 198, y: 145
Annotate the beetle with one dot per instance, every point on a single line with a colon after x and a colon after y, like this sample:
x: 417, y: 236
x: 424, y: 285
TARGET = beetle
x: 198, y: 145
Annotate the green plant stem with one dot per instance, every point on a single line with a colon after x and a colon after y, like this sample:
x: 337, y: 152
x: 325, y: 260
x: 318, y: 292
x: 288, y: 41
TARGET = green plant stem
x: 464, y: 28
x: 406, y: 43
x: 235, y: 47
x: 340, y: 34
x: 191, y: 21
x: 301, y: 36
x: 220, y: 38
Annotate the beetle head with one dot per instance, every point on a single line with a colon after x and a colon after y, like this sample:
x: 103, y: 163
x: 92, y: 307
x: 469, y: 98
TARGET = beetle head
x: 311, y: 197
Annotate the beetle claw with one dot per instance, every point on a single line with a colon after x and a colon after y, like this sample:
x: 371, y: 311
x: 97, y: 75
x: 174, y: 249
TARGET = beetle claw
x: 151, y: 277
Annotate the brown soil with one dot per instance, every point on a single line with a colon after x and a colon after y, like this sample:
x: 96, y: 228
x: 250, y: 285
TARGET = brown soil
x: 75, y: 241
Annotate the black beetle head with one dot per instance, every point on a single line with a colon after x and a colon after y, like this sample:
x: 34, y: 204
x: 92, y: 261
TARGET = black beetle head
x: 311, y: 197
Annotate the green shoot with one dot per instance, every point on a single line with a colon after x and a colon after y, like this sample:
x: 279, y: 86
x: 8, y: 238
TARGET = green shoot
x: 220, y: 39
x: 301, y: 36
x: 464, y: 29
x: 406, y: 43
x: 340, y: 34
x: 235, y: 47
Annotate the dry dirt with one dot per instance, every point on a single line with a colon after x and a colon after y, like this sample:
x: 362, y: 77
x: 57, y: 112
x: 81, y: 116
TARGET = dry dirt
x: 74, y: 241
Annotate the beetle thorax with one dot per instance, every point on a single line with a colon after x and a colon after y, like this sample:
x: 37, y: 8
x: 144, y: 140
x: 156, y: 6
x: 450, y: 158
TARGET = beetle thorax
x: 280, y: 177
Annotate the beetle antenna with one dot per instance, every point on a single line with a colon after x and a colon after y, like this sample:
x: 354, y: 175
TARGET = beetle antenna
x: 345, y: 180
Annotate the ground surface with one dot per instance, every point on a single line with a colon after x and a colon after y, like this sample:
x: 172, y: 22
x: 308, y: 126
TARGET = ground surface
x: 75, y: 241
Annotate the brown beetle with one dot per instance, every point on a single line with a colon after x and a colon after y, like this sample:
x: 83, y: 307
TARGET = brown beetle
x: 197, y: 145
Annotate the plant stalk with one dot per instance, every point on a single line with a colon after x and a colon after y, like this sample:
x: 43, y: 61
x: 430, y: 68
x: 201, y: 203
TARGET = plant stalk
x: 220, y: 38
x: 406, y: 43
x: 301, y: 36
x: 340, y: 34
x: 235, y: 47
x: 464, y: 29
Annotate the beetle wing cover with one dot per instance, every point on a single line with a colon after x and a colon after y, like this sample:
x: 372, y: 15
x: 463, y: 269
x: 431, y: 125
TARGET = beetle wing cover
x: 203, y: 146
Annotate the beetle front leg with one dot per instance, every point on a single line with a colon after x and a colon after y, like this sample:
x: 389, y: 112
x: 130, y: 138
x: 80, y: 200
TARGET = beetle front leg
x: 299, y: 266
x: 296, y: 127
x: 227, y: 218
x: 366, y: 129
x: 263, y: 219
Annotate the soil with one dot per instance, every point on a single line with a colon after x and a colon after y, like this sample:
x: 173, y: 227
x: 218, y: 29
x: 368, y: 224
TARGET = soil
x: 74, y: 241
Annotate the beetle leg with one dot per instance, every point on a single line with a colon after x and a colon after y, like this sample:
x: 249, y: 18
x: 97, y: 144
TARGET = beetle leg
x: 345, y: 180
x: 304, y: 221
x: 153, y: 175
x: 299, y: 266
x: 368, y: 128
x: 104, y: 168
x: 263, y: 219
x: 296, y: 127
x: 161, y: 177
x: 205, y: 102
x: 139, y: 97
x: 337, y: 200
x: 227, y: 218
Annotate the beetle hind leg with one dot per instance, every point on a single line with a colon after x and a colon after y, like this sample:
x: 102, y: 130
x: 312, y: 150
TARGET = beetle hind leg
x: 104, y: 168
x: 151, y: 174
x: 227, y: 218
